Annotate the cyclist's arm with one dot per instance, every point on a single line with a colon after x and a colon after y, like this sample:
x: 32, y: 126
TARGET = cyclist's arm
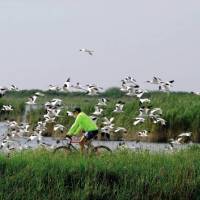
x: 76, y: 132
x: 76, y: 128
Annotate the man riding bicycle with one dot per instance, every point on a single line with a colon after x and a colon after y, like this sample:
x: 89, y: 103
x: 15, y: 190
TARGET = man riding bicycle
x: 83, y: 123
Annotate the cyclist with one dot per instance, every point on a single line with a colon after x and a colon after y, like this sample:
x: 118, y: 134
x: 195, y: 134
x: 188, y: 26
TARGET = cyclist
x: 83, y: 123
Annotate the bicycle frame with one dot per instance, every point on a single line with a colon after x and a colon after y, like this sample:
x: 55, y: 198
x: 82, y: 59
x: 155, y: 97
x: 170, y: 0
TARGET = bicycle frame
x: 88, y: 144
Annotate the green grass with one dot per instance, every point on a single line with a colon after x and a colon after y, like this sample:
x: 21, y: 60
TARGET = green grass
x: 181, y: 110
x: 121, y: 175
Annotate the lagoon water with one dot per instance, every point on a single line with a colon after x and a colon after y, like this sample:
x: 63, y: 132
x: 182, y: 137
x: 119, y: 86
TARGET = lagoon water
x: 155, y: 147
x: 3, y: 128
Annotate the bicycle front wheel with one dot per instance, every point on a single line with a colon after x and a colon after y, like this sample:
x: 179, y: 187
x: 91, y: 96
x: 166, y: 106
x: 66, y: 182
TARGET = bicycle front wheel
x: 101, y: 150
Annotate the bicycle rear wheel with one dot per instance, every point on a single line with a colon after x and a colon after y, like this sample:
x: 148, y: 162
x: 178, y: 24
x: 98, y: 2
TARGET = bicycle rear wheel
x: 98, y: 150
x: 63, y: 149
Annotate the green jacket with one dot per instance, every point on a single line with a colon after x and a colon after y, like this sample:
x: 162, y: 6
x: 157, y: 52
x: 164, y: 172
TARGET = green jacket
x: 84, y: 123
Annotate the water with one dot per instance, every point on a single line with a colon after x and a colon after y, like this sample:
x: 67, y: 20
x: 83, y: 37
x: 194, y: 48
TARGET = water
x: 156, y: 147
x: 3, y: 128
x: 28, y: 108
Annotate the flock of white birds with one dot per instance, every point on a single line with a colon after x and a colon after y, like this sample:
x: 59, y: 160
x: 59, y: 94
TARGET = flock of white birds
x: 53, y: 108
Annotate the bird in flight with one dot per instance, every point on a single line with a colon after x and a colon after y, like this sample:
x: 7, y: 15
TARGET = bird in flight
x: 90, y: 52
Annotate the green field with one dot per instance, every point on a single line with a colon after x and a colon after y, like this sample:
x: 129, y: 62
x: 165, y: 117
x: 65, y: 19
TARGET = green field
x: 181, y: 110
x: 120, y: 176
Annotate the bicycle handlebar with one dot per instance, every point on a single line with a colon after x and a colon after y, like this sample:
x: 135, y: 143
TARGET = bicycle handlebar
x: 69, y: 137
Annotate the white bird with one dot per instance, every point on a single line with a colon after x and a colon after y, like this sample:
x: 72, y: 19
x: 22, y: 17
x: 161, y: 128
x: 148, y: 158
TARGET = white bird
x: 119, y: 107
x: 98, y: 111
x: 48, y: 105
x: 129, y: 79
x: 180, y: 139
x: 140, y: 92
x: 142, y: 101
x: 196, y: 93
x: 144, y: 112
x: 155, y: 80
x: 159, y: 120
x: 157, y: 111
x: 13, y: 88
x: 54, y: 88
x: 166, y: 85
x: 143, y: 133
x: 27, y: 128
x: 138, y: 121
x: 40, y: 137
x: 56, y: 102
x: 177, y: 141
x: 3, y: 90
x: 7, y: 108
x: 93, y: 90
x: 124, y: 87
x: 169, y: 147
x: 107, y: 129
x: 78, y: 86
x: 132, y: 90
x: 120, y: 129
x: 70, y: 114
x: 35, y: 135
x: 102, y: 102
x: 13, y: 125
x: 52, y: 113
x: 12, y: 134
x: 24, y: 129
x: 49, y: 119
x: 53, y: 104
x: 67, y: 85
x: 185, y: 134
x: 41, y: 126
x: 4, y: 144
x: 39, y: 94
x: 59, y: 127
x: 31, y: 100
x: 32, y: 137
x: 107, y: 121
x: 90, y: 52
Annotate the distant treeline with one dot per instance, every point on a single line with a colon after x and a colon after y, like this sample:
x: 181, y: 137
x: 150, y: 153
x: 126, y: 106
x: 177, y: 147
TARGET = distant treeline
x: 181, y: 110
x: 111, y: 92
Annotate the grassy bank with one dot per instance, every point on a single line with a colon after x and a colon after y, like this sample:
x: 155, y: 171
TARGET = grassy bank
x: 122, y: 175
x: 181, y: 110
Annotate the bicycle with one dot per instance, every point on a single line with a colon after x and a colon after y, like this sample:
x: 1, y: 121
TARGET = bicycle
x: 69, y: 147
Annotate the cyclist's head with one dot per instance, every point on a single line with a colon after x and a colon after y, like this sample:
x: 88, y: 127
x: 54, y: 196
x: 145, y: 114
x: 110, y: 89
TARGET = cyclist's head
x: 76, y: 110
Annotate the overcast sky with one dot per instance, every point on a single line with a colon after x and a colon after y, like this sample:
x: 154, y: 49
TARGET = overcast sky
x: 40, y: 42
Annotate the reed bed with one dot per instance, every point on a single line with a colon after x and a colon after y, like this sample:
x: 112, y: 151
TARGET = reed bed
x: 121, y: 175
x: 180, y: 110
